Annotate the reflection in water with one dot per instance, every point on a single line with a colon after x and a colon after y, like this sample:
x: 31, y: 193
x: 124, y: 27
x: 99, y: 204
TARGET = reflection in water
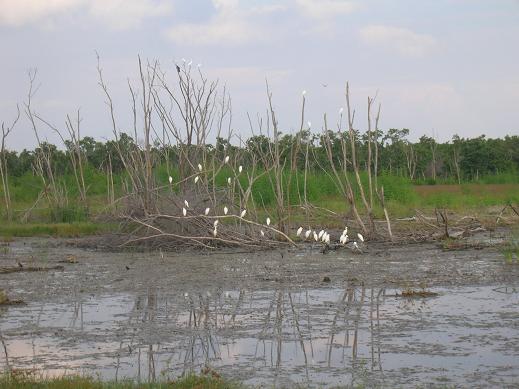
x: 313, y: 337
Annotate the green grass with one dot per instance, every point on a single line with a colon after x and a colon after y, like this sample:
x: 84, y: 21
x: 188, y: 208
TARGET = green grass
x: 21, y: 380
x: 402, y: 197
x: 65, y: 230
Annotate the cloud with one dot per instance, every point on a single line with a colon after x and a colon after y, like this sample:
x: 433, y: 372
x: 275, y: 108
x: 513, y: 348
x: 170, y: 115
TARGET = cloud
x: 20, y: 12
x: 124, y: 14
x: 232, y: 25
x: 119, y: 14
x: 325, y: 9
x: 402, y: 40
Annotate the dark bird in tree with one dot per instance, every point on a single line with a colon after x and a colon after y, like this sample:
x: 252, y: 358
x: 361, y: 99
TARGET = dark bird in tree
x: 178, y: 68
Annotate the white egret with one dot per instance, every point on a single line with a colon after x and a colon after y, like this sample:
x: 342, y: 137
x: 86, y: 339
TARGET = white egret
x: 327, y: 240
x: 304, y: 92
x: 345, y: 232
x: 190, y: 62
x: 196, y: 179
x: 307, y: 234
x: 186, y: 295
x: 200, y: 167
x: 215, y: 224
x: 215, y: 232
x: 309, y: 124
x: 316, y: 237
x: 262, y: 233
x: 226, y: 159
x: 184, y: 211
x: 170, y: 179
x: 341, y: 110
x: 225, y: 210
x: 321, y: 233
x: 242, y: 214
x: 240, y: 168
x: 361, y: 238
x: 186, y: 203
x: 207, y: 211
x: 229, y: 180
x: 299, y: 231
x: 268, y: 221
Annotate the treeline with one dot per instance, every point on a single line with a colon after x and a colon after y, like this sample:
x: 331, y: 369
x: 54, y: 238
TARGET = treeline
x: 425, y: 161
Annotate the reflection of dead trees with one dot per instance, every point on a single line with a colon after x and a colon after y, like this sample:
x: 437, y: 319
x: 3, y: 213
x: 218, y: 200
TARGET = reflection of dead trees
x: 4, y: 346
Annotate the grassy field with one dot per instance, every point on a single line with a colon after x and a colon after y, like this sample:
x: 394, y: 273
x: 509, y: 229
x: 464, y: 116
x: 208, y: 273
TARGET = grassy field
x: 23, y: 381
x: 402, y: 196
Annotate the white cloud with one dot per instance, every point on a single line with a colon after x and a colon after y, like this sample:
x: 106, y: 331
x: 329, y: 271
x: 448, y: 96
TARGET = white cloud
x: 231, y: 25
x: 127, y: 13
x: 400, y: 39
x: 115, y: 13
x: 20, y: 12
x: 324, y: 9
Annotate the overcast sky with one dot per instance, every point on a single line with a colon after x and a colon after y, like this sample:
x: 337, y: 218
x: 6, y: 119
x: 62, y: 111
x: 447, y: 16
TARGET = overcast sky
x: 439, y: 67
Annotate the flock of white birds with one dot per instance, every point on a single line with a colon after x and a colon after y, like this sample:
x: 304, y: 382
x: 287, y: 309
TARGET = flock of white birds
x: 321, y: 236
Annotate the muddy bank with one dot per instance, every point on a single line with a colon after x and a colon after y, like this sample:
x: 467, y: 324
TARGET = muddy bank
x: 269, y: 318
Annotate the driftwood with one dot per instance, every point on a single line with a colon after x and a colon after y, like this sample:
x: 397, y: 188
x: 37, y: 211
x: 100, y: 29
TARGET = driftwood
x: 16, y: 269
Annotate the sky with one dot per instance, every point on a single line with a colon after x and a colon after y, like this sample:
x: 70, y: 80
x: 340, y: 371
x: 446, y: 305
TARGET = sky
x: 437, y: 67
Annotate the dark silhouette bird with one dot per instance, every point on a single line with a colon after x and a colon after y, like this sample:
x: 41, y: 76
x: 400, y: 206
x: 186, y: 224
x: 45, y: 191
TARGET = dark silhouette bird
x: 178, y: 68
x: 127, y: 267
x: 19, y: 264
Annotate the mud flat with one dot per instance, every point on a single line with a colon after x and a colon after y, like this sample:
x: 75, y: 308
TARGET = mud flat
x: 271, y: 318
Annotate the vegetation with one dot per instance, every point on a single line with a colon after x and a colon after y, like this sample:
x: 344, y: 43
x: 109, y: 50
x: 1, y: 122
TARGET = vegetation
x: 23, y: 380
x: 358, y: 176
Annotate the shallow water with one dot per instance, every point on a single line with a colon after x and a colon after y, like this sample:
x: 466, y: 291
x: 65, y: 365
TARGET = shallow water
x: 322, y: 336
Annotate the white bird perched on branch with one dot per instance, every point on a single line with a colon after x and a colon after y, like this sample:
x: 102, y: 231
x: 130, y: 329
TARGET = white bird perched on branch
x: 242, y: 214
x: 240, y: 168
x: 229, y: 180
x: 345, y: 232
x: 304, y: 92
x: 309, y: 124
x: 215, y: 231
x: 207, y: 211
x: 321, y: 233
x: 184, y: 211
x: 186, y: 203
x: 200, y: 167
x: 299, y: 231
x: 341, y: 110
x: 170, y: 179
x: 361, y: 238
x: 307, y: 234
x: 225, y: 210
x: 316, y: 237
x: 327, y: 238
x: 226, y: 160
x: 196, y: 179
x: 215, y: 224
x: 268, y: 221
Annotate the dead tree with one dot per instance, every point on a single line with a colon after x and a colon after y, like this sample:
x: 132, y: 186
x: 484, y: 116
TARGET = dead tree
x: 4, y: 171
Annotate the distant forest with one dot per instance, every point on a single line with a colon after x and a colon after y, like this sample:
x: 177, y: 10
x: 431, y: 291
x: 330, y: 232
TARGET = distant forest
x: 425, y: 161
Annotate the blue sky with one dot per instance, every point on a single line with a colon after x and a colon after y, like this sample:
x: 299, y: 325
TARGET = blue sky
x: 438, y: 67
